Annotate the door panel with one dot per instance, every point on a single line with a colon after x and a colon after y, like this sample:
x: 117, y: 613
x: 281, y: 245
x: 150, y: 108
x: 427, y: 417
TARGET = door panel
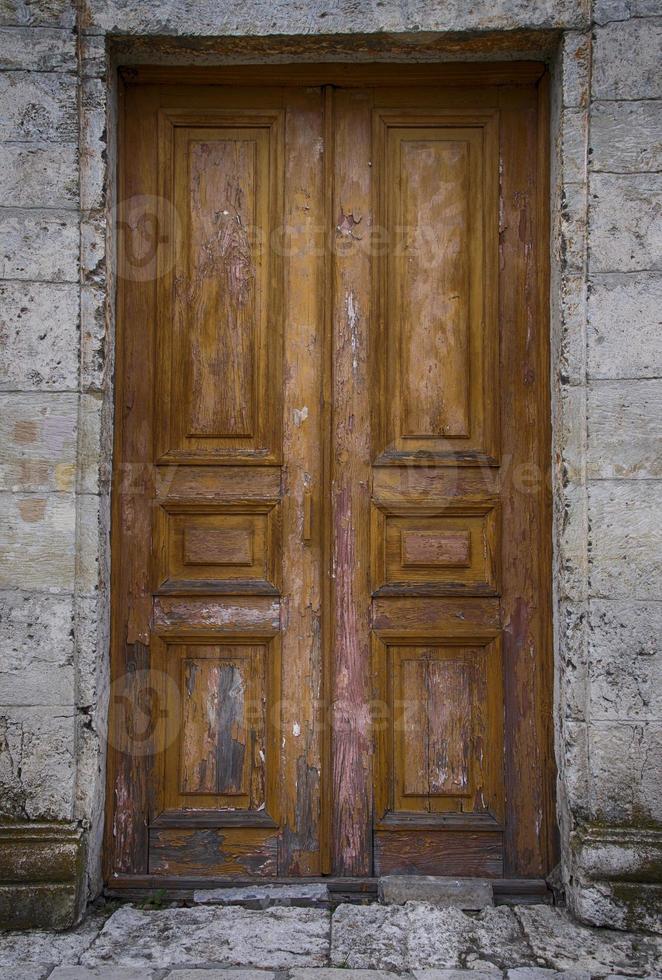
x: 331, y: 630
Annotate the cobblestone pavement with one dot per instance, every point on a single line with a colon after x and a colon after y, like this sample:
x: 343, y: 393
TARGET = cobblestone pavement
x: 371, y: 942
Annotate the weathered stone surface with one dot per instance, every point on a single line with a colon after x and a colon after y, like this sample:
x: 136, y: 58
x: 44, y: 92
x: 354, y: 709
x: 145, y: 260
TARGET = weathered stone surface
x: 574, y: 144
x: 32, y: 972
x: 230, y: 974
x: 333, y: 973
x: 37, y: 535
x: 36, y: 763
x: 565, y: 945
x: 37, y: 947
x: 275, y: 938
x: 38, y: 442
x: 625, y: 651
x: 56, y: 13
x: 262, y: 896
x: 570, y: 353
x: 625, y: 226
x: 605, y: 11
x: 37, y: 175
x: 417, y: 936
x: 38, y: 106
x: 38, y: 336
x: 624, y: 430
x: 626, y: 771
x: 571, y: 545
x: 94, y: 361
x: 460, y: 893
x: 625, y: 325
x: 207, y: 17
x: 575, y: 68
x: 625, y: 552
x: 540, y: 973
x: 37, y: 49
x: 117, y: 973
x: 471, y: 974
x: 617, y: 73
x: 36, y: 629
x: 94, y: 95
x: 92, y: 523
x: 626, y: 137
x: 41, y: 245
x: 570, y: 245
x: 573, y: 668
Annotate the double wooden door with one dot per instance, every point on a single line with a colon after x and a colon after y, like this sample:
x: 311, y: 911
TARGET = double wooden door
x: 331, y: 574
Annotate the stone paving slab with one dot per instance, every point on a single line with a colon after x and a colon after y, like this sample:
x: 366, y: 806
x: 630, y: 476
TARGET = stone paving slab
x: 563, y: 944
x: 417, y: 936
x: 374, y: 942
x: 275, y: 938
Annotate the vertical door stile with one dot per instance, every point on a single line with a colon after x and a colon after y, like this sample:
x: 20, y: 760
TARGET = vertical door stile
x: 350, y: 495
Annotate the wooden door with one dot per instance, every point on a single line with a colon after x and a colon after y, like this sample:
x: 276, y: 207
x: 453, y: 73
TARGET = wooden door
x: 331, y: 636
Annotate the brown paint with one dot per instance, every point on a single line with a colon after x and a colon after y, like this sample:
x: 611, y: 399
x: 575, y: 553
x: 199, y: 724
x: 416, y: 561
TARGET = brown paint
x: 328, y: 441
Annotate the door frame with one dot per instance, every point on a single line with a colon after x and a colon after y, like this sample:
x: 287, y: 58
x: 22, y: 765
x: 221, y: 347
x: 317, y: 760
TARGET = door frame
x: 350, y: 75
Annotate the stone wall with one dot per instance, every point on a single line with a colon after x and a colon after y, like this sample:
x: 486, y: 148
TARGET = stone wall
x: 56, y: 331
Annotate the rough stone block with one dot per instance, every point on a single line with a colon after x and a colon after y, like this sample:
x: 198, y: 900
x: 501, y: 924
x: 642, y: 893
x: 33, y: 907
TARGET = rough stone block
x: 605, y: 11
x: 41, y: 245
x: 37, y: 763
x: 37, y: 535
x: 37, y: 49
x: 38, y: 947
x: 460, y: 893
x: 570, y: 245
x: 94, y: 449
x: 337, y: 973
x: 573, y: 667
x: 472, y: 974
x: 624, y: 430
x: 38, y: 336
x: 38, y: 442
x: 39, y: 175
x: 626, y: 137
x: 626, y: 58
x: 418, y: 936
x: 575, y: 68
x: 625, y: 559
x: 45, y: 13
x: 625, y: 223
x: 625, y: 651
x: 93, y: 142
x: 574, y: 145
x: 624, y: 326
x: 566, y: 945
x: 274, y: 938
x: 92, y: 524
x: 124, y: 973
x: 210, y: 18
x: 36, y: 631
x: 264, y: 896
x: 38, y: 106
x: 32, y: 972
x: 626, y: 771
x: 539, y: 973
x: 573, y: 767
x: 571, y: 521
x: 571, y: 352
x: 94, y: 352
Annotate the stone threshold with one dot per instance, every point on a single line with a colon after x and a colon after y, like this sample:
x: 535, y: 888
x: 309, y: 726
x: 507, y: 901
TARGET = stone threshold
x: 417, y: 941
